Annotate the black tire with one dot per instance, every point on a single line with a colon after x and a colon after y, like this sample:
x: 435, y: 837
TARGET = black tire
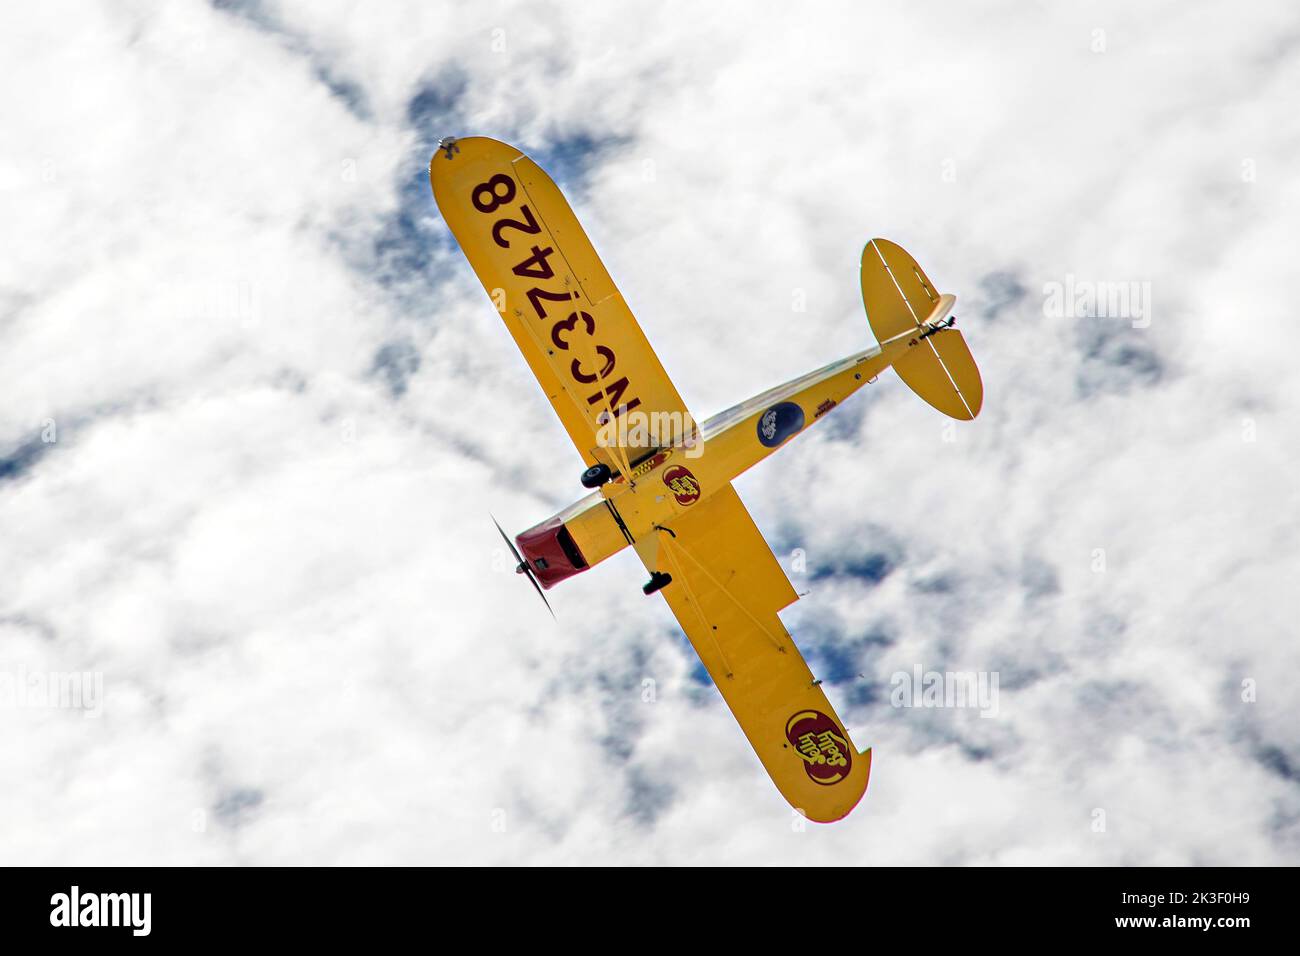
x: 658, y: 581
x: 595, y: 476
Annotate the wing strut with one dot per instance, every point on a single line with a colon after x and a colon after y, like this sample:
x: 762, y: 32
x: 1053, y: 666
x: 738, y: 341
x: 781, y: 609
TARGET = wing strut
x: 680, y: 578
x: 670, y: 543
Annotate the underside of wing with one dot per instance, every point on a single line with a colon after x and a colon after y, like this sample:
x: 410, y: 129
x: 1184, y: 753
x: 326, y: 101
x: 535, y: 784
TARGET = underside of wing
x: 558, y: 301
x: 726, y: 590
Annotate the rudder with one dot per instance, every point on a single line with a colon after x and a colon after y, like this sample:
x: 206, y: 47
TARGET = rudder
x: 902, y: 302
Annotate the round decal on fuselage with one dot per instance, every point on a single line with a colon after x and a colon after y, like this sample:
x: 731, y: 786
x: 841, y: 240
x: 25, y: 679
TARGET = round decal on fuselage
x: 684, y: 486
x: 822, y: 746
x: 779, y: 422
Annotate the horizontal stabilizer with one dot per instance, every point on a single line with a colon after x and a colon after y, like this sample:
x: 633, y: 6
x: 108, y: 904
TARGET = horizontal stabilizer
x: 941, y: 370
x: 897, y: 294
x: 902, y: 302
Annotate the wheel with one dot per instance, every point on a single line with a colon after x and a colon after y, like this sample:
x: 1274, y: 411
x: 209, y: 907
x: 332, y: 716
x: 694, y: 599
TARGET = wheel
x: 595, y: 476
x: 657, y: 581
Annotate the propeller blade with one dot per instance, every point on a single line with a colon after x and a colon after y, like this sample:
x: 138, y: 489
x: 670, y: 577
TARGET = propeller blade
x: 522, y: 566
x: 538, y: 588
x: 506, y: 538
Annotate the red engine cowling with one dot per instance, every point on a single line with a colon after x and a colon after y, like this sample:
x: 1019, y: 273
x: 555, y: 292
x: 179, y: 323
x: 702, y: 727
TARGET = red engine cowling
x: 551, y: 552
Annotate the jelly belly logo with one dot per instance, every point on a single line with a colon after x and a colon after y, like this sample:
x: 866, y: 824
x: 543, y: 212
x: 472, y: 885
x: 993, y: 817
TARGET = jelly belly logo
x: 779, y: 422
x: 821, y: 745
x: 684, y: 486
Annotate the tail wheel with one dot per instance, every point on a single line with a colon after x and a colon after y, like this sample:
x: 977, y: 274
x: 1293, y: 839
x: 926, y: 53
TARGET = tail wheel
x: 595, y: 476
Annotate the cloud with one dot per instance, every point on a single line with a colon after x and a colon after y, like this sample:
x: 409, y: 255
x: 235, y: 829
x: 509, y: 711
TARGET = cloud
x: 282, y: 410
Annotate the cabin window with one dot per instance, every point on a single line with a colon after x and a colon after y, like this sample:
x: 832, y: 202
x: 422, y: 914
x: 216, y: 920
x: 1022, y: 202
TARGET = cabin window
x: 570, y: 548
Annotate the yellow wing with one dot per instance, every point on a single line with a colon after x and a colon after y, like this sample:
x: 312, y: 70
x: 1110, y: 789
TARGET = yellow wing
x: 564, y: 311
x: 726, y: 590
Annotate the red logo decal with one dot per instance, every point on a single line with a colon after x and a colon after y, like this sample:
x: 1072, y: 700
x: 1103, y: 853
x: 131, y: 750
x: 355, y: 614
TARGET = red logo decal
x: 822, y: 746
x: 684, y: 486
x: 824, y: 407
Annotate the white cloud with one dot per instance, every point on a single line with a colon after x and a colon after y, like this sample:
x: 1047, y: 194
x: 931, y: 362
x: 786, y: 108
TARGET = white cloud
x: 283, y: 411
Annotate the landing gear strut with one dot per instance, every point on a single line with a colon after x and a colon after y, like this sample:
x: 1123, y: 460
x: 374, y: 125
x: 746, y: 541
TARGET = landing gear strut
x: 595, y: 476
x: 657, y: 581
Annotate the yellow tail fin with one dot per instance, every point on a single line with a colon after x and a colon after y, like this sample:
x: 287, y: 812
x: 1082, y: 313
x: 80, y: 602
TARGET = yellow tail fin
x: 902, y: 302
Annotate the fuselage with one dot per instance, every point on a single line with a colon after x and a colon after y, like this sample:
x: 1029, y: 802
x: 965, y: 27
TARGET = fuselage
x: 666, y: 481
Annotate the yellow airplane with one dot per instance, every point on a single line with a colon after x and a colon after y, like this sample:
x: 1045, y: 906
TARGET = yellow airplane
x: 662, y: 483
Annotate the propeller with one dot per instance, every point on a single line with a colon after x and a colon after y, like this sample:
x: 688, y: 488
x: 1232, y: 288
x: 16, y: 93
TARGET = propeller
x: 522, y: 567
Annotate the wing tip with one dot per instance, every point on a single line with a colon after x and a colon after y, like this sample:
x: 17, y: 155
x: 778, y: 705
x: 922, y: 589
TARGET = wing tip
x: 866, y: 779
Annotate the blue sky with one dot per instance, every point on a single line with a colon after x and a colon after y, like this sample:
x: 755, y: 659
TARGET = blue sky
x: 255, y: 411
